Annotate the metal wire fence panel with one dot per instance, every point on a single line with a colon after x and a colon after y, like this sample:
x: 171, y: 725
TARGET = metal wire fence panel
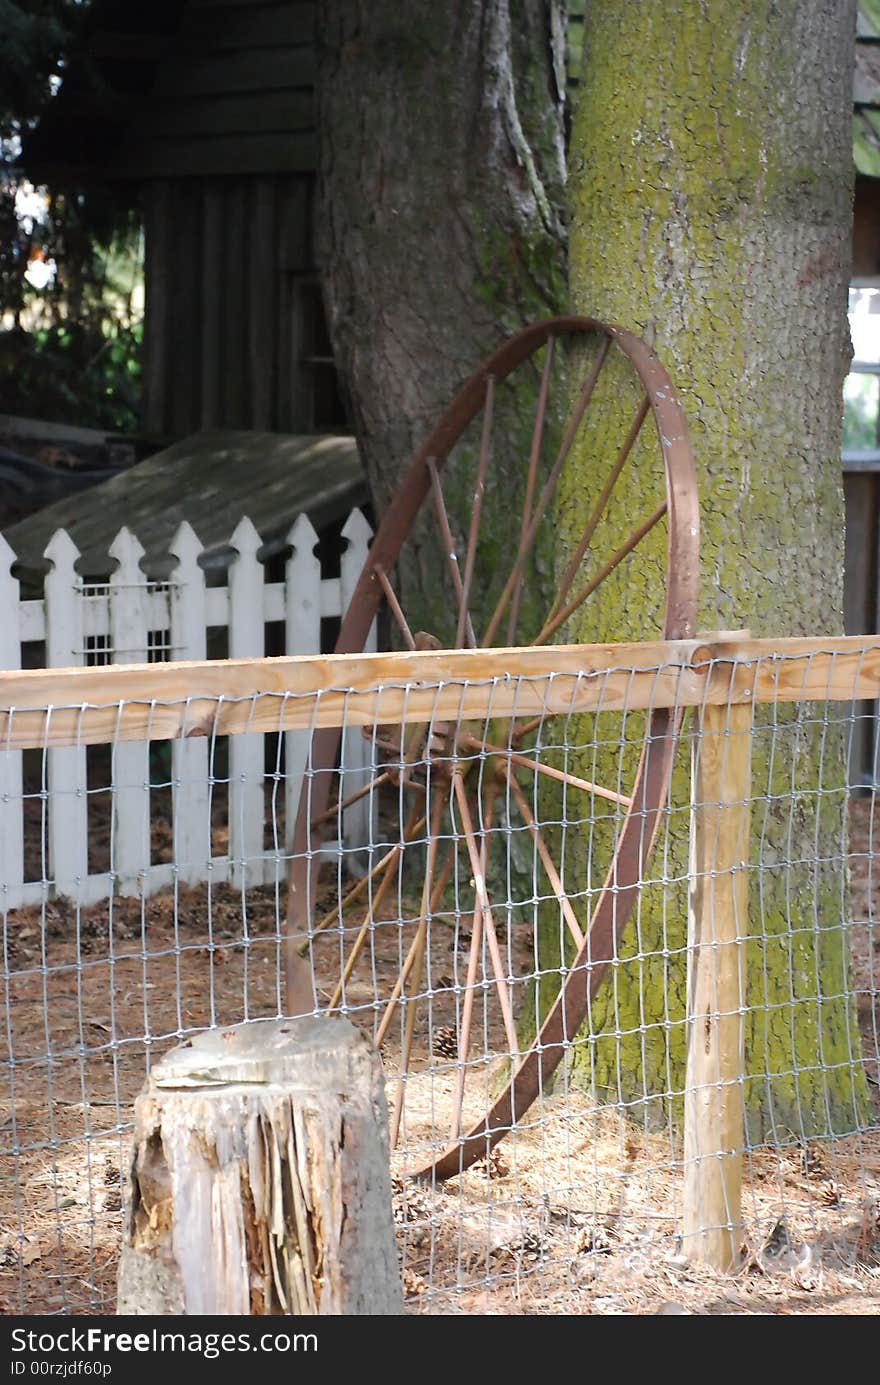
x: 590, y: 919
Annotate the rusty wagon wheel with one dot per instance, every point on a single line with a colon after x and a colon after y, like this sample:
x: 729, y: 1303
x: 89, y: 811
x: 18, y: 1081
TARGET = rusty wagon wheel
x: 431, y: 769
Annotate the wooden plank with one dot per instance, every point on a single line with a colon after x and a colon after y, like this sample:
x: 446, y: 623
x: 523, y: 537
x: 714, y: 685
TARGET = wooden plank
x: 302, y: 635
x: 211, y: 304
x: 261, y: 269
x: 717, y: 930
x: 67, y: 804
x: 225, y: 25
x: 236, y: 295
x: 286, y: 415
x: 246, y: 763
x: 228, y: 696
x: 282, y: 152
x: 358, y: 754
x: 249, y: 113
x: 295, y: 230
x: 279, y: 68
x: 191, y: 802
x: 130, y: 776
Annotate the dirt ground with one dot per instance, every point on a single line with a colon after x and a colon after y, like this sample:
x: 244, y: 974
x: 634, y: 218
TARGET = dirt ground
x: 576, y: 1213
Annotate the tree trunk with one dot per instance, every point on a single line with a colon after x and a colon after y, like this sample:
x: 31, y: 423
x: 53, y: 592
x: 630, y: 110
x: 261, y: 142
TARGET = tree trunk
x: 439, y: 224
x: 711, y: 164
x: 259, y: 1181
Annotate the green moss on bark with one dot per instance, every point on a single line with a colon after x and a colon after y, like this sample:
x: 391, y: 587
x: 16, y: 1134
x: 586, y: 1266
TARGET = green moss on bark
x: 710, y: 190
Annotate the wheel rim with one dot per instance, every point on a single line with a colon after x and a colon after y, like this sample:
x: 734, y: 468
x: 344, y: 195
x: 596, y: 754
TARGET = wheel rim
x: 597, y: 938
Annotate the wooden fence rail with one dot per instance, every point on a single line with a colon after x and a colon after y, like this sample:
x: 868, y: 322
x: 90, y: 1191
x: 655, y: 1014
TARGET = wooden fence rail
x: 194, y: 698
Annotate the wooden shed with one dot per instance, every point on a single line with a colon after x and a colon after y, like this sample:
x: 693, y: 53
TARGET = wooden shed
x: 204, y: 110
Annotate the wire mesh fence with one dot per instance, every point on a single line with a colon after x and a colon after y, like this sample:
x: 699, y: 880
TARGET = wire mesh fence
x: 559, y: 839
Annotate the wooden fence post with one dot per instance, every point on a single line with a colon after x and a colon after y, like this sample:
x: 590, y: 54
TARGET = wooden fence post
x: 259, y: 1182
x: 717, y: 928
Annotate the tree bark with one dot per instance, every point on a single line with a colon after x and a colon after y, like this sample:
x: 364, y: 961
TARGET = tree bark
x: 440, y: 223
x: 711, y: 168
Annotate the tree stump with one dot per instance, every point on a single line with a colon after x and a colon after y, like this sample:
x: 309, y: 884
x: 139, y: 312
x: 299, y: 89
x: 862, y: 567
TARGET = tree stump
x: 259, y: 1181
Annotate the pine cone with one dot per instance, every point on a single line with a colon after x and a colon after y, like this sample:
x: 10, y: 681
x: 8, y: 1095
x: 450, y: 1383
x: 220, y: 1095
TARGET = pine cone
x: 444, y: 1042
x: 496, y: 1166
x: 411, y: 1205
x: 414, y: 1286
x: 531, y: 1247
x: 593, y: 1239
x: 812, y: 1163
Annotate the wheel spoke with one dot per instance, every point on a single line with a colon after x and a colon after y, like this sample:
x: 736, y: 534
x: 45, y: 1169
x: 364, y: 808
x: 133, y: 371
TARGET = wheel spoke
x: 476, y: 511
x: 362, y: 885
x: 598, y: 510
x: 418, y: 961
x: 391, y: 1004
x: 607, y: 568
x: 519, y: 731
x: 488, y: 921
x: 352, y: 798
x: 409, y: 831
x: 394, y: 604
x: 534, y: 456
x: 464, y: 1041
x: 449, y: 545
x: 569, y: 915
x: 547, y: 491
x: 536, y: 767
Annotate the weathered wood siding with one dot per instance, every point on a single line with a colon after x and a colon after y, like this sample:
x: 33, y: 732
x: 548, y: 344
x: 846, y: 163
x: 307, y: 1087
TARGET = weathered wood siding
x: 233, y: 94
x: 225, y: 145
x: 231, y: 314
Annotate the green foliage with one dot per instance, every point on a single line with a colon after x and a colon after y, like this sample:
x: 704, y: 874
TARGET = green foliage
x: 860, y: 412
x: 73, y: 370
x: 68, y: 351
x: 869, y: 14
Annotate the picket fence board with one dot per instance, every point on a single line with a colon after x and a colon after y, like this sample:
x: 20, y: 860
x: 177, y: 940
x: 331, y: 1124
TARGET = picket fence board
x: 358, y: 751
x: 247, y: 639
x: 130, y: 763
x: 126, y: 619
x: 68, y: 822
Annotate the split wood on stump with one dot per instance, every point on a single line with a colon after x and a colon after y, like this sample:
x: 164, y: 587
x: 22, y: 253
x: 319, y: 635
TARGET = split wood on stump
x: 259, y: 1181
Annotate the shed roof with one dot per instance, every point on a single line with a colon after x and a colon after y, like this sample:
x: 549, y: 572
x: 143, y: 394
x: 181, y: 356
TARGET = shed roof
x: 212, y: 480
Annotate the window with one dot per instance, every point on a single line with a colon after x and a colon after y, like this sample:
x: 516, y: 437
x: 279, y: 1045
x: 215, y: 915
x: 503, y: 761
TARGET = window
x: 861, y: 390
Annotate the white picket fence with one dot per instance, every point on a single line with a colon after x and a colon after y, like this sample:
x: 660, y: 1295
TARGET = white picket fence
x: 129, y: 619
